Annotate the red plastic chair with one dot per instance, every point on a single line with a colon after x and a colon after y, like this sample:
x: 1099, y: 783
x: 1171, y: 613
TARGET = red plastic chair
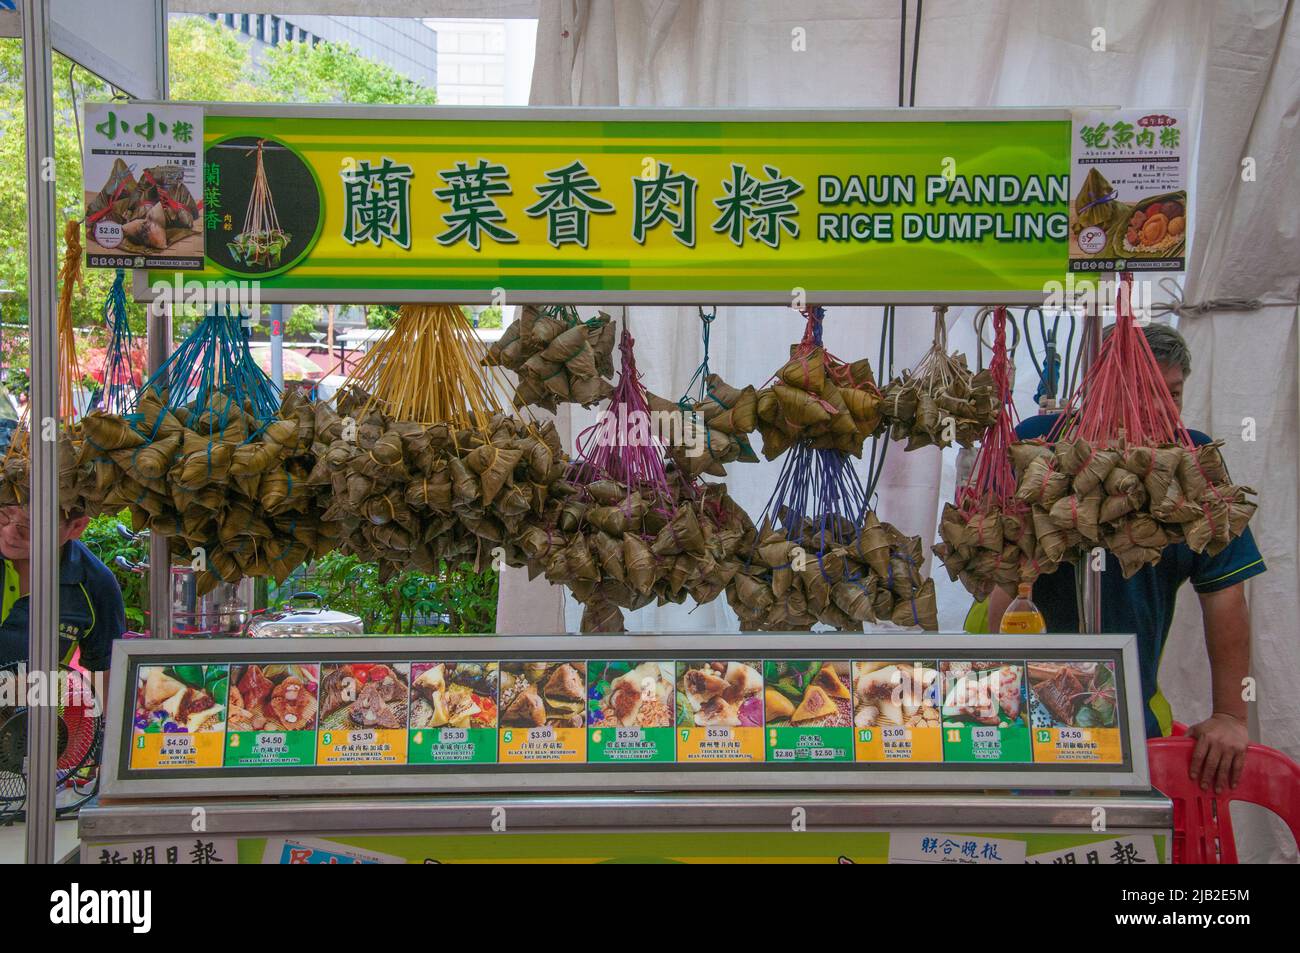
x: 1202, y: 820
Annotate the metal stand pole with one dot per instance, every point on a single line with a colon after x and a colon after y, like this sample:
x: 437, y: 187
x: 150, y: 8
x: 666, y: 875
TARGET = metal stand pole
x: 42, y: 293
x: 159, y: 333
x: 1088, y: 578
x: 277, y: 346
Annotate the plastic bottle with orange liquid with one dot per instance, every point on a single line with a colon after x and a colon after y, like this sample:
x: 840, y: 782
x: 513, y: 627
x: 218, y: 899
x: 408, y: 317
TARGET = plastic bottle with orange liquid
x: 1022, y: 616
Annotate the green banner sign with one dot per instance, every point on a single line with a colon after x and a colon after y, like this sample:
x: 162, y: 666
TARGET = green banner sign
x: 353, y: 204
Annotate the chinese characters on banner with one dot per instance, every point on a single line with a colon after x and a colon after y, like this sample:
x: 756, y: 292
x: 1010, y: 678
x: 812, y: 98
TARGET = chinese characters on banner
x: 377, y: 205
x: 143, y: 191
x: 1128, y: 180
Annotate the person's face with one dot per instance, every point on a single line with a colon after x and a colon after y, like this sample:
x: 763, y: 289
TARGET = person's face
x: 1174, y: 381
x: 16, y: 531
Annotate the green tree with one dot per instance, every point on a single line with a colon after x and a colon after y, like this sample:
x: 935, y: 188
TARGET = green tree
x: 208, y: 63
x: 490, y: 317
x: 337, y: 73
x: 302, y: 321
x: 380, y: 317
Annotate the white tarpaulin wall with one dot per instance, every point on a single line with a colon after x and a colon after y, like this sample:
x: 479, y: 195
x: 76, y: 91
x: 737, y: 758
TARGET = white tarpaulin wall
x: 1235, y: 66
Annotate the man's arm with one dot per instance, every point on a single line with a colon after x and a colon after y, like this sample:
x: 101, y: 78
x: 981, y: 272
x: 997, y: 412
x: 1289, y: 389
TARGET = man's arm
x: 1221, y: 740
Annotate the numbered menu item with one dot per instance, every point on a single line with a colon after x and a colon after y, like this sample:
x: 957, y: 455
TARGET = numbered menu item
x: 719, y: 711
x: 809, y: 711
x: 272, y: 716
x: 629, y: 712
x: 453, y: 712
x: 1073, y: 708
x: 363, y: 713
x: 985, y: 713
x: 543, y: 712
x: 896, y: 711
x: 180, y: 716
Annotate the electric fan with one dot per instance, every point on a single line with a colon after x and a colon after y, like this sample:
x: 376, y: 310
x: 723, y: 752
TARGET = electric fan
x: 80, y: 732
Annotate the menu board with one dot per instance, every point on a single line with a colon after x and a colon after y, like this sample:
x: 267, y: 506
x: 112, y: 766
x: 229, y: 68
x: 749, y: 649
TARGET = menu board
x: 295, y: 711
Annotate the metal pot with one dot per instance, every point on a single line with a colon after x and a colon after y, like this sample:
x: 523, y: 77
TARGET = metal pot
x: 294, y: 621
x: 222, y: 612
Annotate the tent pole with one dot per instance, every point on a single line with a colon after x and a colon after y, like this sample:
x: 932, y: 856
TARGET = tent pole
x: 159, y: 335
x: 42, y: 293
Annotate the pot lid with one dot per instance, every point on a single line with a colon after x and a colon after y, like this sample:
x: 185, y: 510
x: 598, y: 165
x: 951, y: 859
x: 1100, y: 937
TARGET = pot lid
x: 317, y: 616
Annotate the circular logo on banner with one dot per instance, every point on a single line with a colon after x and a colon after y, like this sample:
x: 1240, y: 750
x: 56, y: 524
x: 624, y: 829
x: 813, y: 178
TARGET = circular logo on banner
x: 262, y: 206
x: 1092, y: 239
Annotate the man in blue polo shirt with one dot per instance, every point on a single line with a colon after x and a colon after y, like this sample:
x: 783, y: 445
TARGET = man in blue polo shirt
x: 91, y: 614
x: 1145, y: 604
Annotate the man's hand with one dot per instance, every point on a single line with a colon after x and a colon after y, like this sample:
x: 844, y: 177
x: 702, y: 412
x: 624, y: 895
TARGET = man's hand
x: 1220, y: 753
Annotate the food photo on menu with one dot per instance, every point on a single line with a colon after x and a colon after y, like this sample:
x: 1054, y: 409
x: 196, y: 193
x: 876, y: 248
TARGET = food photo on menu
x: 631, y: 695
x: 807, y: 694
x: 1072, y: 694
x: 277, y: 697
x: 722, y: 694
x: 181, y: 699
x: 896, y: 695
x: 535, y: 694
x: 454, y: 695
x: 363, y: 695
x: 987, y: 694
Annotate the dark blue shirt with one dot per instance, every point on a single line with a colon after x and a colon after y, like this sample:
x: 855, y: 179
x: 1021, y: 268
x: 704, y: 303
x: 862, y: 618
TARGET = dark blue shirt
x: 91, y: 614
x: 1143, y: 604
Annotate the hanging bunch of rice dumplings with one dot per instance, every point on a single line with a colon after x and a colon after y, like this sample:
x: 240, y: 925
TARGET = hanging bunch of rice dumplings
x: 558, y: 357
x: 818, y: 399
x: 422, y: 464
x: 1120, y: 470
x: 79, y: 490
x: 708, y: 426
x: 214, y: 461
x: 940, y: 401
x: 821, y: 554
x: 625, y: 529
x: 988, y: 537
x: 617, y: 549
x: 410, y: 495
